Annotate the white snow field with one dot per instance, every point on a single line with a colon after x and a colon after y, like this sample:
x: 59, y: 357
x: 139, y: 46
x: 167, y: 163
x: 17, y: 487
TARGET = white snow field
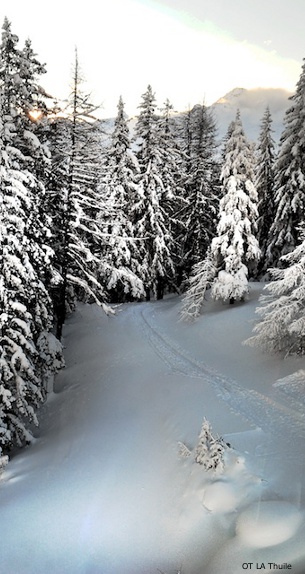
x: 104, y: 490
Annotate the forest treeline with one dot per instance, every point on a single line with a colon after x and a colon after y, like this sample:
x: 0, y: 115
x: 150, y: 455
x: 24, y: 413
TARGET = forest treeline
x: 110, y: 218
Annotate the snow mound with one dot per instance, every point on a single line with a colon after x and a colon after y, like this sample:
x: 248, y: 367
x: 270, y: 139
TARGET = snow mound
x: 293, y: 386
x: 296, y: 379
x: 221, y: 497
x: 236, y: 488
x: 268, y: 523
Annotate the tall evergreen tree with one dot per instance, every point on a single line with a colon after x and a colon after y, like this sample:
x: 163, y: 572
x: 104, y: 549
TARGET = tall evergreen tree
x: 25, y: 305
x: 19, y: 75
x: 235, y: 249
x: 75, y: 207
x: 238, y: 154
x: 170, y: 158
x: 118, y: 189
x: 29, y: 156
x: 10, y: 57
x: 150, y: 218
x: 172, y: 174
x: 289, y: 180
x: 264, y: 182
x: 25, y: 312
x: 199, y: 214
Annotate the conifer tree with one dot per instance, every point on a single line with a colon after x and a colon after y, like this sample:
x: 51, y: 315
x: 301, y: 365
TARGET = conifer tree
x: 289, y: 180
x: 264, y: 182
x: 10, y: 68
x: 199, y: 214
x: 21, y: 94
x: 201, y: 279
x: 235, y: 248
x: 210, y: 449
x: 25, y: 306
x: 170, y: 164
x: 19, y: 75
x: 28, y: 352
x: 281, y: 327
x: 238, y: 154
x: 183, y: 135
x: 118, y: 188
x: 172, y: 174
x: 149, y: 216
x: 75, y: 208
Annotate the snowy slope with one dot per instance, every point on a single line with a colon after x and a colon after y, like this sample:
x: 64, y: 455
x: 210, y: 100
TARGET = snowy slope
x: 104, y: 491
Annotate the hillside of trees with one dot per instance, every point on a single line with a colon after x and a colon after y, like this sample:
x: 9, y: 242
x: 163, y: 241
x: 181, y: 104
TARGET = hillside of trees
x: 167, y: 210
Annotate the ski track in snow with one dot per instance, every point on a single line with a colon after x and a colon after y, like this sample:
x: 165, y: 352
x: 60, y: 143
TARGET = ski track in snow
x: 257, y: 408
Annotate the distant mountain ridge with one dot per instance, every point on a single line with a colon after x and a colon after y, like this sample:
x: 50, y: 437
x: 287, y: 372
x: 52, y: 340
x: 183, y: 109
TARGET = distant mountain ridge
x: 252, y: 105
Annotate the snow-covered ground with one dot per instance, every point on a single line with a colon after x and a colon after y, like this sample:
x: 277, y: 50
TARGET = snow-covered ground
x: 104, y: 489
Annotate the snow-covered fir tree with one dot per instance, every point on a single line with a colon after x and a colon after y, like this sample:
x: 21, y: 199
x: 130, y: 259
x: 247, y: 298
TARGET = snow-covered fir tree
x: 238, y: 156
x: 281, y: 327
x: 29, y: 351
x: 201, y: 187
x: 118, y: 189
x: 150, y: 219
x: 19, y: 76
x: 10, y: 57
x: 264, y: 183
x: 289, y: 180
x: 25, y: 305
x: 227, y: 136
x: 170, y: 164
x: 210, y: 449
x: 236, y: 248
x: 172, y: 174
x: 201, y: 279
x: 21, y: 96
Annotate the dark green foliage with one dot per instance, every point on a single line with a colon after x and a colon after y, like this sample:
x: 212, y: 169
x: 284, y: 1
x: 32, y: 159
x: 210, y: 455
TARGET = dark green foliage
x: 201, y: 188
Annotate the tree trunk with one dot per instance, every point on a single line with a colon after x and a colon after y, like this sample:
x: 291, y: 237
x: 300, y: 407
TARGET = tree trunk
x: 160, y: 288
x: 147, y: 294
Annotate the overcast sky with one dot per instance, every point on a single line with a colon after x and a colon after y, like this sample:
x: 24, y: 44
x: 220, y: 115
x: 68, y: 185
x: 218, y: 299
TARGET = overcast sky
x: 188, y: 50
